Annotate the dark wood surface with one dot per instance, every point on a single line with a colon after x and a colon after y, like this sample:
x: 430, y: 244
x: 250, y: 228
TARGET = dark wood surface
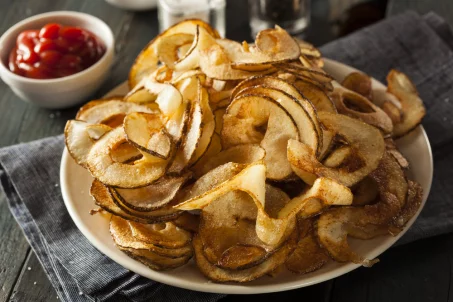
x: 421, y: 271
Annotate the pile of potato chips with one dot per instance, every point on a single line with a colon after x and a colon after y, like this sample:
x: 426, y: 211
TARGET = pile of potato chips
x: 246, y: 157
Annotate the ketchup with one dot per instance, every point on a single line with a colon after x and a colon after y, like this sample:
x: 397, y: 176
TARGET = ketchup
x: 54, y: 51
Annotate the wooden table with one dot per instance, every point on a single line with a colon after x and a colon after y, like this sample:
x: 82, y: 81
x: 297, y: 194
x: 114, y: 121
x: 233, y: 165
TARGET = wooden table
x: 420, y: 271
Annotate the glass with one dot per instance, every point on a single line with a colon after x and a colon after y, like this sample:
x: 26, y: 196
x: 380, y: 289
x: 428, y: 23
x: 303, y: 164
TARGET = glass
x: 292, y: 15
x: 174, y: 11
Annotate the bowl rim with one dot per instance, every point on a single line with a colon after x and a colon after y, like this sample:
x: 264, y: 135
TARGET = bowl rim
x: 109, y: 47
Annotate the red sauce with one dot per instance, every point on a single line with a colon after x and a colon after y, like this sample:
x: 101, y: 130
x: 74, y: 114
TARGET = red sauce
x: 54, y: 51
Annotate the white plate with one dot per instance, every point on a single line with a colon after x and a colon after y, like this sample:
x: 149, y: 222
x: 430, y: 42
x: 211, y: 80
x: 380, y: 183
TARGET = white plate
x: 76, y: 181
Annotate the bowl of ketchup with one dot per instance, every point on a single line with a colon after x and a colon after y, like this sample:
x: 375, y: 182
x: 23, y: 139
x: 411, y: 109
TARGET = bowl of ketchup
x: 56, y: 59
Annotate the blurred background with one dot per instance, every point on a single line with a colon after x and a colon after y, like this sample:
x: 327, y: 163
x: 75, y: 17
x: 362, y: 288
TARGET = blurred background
x: 317, y: 21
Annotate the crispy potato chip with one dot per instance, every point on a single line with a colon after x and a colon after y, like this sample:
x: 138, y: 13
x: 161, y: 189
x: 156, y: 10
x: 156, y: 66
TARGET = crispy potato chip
x: 305, y: 125
x: 154, y: 214
x: 241, y: 154
x: 308, y: 256
x: 325, y: 191
x: 146, y: 131
x: 359, y: 83
x: 241, y: 257
x: 232, y: 176
x: 355, y: 105
x: 146, y: 62
x: 154, y: 196
x: 313, y: 73
x: 413, y: 202
x: 367, y: 143
x: 316, y: 95
x: 308, y: 49
x: 214, y: 148
x: 222, y: 275
x: 227, y: 227
x: 391, y: 148
x: 122, y: 236
x: 183, y: 75
x: 164, y: 234
x: 271, y: 46
x: 177, y: 124
x: 188, y: 222
x: 288, y: 88
x: 412, y: 106
x: 337, y: 157
x: 228, y: 233
x: 155, y: 261
x: 219, y: 113
x: 253, y: 119
x: 208, y: 125
x: 335, y: 225
x: 365, y: 192
x: 143, y: 97
x: 167, y: 47
x: 104, y: 199
x: 141, y: 173
x: 214, y: 60
x: 169, y: 100
x: 392, y: 111
x: 190, y: 141
x: 80, y: 137
x: 125, y: 153
x: 277, y: 43
x: 327, y: 143
x: 102, y: 112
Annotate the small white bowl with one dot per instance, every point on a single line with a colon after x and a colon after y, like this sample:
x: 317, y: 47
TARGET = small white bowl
x: 66, y: 91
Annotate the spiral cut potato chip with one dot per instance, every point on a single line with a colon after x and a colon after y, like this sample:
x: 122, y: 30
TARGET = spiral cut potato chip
x: 248, y: 157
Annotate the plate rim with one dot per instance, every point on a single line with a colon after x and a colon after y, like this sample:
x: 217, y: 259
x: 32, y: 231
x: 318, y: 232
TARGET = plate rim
x: 227, y: 288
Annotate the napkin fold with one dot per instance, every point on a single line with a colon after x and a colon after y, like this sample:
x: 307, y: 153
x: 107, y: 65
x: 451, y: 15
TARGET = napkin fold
x: 420, y: 46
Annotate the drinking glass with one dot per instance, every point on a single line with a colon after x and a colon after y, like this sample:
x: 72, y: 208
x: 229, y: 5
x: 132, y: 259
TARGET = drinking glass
x: 291, y: 15
x: 174, y: 11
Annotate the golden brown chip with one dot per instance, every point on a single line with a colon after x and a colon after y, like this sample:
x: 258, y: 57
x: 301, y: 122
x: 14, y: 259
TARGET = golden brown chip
x: 141, y: 173
x: 308, y: 256
x: 146, y: 62
x: 165, y: 234
x: 222, y: 275
x: 365, y: 192
x: 188, y: 222
x: 392, y: 111
x: 413, y: 202
x: 252, y: 119
x: 214, y: 148
x: 104, y: 199
x: 154, y: 196
x: 80, y: 137
x: 359, y: 83
x: 412, y: 107
x: 368, y: 221
x: 366, y: 141
x: 316, y: 95
x: 241, y: 154
x: 146, y: 132
x: 355, y: 105
x: 122, y: 236
x: 227, y: 227
x: 109, y: 112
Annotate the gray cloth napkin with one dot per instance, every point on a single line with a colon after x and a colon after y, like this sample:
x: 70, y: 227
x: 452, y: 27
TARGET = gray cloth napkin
x: 418, y: 46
